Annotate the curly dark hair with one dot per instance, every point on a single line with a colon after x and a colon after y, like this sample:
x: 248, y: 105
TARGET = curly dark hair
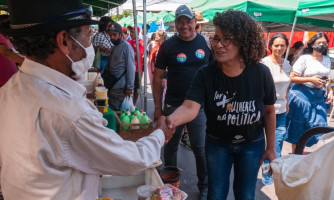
x: 104, y: 22
x: 246, y: 32
x: 274, y: 37
x: 39, y: 46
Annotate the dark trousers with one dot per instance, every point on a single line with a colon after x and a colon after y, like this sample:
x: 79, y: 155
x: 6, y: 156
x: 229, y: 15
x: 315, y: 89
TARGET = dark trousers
x: 196, y: 130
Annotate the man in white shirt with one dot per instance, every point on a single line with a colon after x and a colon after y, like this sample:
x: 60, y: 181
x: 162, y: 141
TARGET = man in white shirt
x: 53, y: 141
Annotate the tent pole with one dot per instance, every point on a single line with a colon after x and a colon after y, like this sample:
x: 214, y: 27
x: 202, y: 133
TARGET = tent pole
x: 137, y: 48
x: 144, y: 97
x: 291, y: 36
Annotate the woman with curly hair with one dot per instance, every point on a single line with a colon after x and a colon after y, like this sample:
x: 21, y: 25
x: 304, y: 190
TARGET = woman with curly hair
x: 306, y: 97
x: 238, y: 94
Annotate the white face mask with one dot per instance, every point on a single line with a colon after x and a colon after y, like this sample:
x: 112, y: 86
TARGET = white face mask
x: 81, y: 67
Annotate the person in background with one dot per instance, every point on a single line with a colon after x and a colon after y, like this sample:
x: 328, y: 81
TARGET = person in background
x: 62, y: 144
x: 280, y: 70
x: 141, y: 34
x: 182, y: 55
x: 200, y: 22
x: 132, y: 42
x: 309, y: 74
x: 294, y: 50
x: 121, y: 67
x: 238, y: 94
x: 164, y: 86
x: 126, y: 35
x: 8, y: 57
x: 160, y: 37
x: 102, y: 41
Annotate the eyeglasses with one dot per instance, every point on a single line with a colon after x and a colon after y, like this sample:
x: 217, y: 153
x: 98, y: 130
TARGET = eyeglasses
x: 224, y: 41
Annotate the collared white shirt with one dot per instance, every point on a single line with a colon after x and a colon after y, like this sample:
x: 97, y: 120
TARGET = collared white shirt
x: 54, y: 143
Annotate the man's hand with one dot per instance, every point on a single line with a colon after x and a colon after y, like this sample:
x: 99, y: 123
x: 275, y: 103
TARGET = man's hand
x: 128, y: 92
x: 157, y: 114
x: 161, y: 124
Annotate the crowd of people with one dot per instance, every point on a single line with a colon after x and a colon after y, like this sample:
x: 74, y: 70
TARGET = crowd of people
x: 235, y: 103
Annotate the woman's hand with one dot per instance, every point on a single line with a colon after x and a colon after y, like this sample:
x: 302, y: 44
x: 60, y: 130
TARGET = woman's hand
x: 317, y: 80
x: 270, y: 154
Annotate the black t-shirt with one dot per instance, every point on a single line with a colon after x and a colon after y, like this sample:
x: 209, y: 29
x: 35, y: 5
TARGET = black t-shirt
x: 233, y: 106
x: 183, y: 59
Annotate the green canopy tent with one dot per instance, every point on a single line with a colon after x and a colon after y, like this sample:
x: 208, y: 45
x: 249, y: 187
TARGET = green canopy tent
x: 124, y: 20
x: 161, y: 14
x: 317, y: 9
x: 151, y: 17
x: 320, y: 11
x: 101, y: 7
x: 169, y: 17
x: 273, y: 15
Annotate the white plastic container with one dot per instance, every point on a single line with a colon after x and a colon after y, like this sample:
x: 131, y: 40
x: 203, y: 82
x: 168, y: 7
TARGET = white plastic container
x: 125, y: 187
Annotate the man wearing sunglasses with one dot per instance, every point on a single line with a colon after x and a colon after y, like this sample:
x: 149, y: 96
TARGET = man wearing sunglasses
x: 53, y: 140
x: 182, y: 55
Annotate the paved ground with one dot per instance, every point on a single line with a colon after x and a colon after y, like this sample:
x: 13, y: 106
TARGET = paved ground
x: 186, y: 161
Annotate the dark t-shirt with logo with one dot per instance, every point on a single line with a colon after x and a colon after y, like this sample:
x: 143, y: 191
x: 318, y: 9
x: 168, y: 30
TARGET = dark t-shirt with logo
x: 182, y: 59
x: 234, y: 106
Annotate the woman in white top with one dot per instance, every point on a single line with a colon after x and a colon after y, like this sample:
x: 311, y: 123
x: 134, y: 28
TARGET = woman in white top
x: 307, y: 96
x: 280, y: 70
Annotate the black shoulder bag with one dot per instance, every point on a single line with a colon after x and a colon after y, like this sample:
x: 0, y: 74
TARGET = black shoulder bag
x: 109, y: 79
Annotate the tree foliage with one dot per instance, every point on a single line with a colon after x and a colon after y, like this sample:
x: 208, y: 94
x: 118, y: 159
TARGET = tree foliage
x: 120, y: 16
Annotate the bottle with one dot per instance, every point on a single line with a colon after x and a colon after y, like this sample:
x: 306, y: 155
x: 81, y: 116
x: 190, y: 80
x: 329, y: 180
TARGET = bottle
x: 122, y: 115
x: 100, y: 81
x: 141, y: 114
x: 143, y: 120
x: 266, y: 176
x: 131, y: 115
x: 135, y: 121
x: 137, y: 112
x: 126, y: 120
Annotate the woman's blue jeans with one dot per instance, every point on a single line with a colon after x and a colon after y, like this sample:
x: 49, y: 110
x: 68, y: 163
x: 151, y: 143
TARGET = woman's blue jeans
x: 280, y: 133
x: 221, y: 156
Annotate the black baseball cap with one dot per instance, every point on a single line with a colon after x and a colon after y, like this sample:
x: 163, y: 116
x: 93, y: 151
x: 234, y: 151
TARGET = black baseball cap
x: 186, y: 11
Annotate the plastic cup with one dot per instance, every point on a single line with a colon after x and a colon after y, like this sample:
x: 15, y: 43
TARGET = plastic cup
x: 145, y: 191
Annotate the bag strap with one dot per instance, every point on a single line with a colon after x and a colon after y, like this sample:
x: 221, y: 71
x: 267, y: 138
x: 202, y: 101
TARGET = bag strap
x: 108, y: 39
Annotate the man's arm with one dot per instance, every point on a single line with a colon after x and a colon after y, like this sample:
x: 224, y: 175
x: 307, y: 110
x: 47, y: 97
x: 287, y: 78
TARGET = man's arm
x: 10, y: 54
x: 157, y: 92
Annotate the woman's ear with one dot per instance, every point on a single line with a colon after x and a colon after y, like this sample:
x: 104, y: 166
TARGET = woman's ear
x: 63, y: 42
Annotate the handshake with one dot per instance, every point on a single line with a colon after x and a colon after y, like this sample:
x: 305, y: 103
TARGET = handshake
x: 166, y: 125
